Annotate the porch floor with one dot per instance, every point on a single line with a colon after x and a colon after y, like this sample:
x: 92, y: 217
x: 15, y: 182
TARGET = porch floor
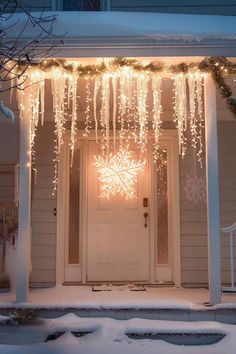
x: 119, y: 297
x: 168, y: 304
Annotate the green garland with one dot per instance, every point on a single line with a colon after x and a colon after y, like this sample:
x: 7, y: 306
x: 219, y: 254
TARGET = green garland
x: 218, y: 67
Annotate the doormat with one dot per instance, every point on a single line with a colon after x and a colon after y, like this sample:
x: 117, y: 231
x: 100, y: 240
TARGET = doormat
x: 103, y: 287
x: 110, y: 287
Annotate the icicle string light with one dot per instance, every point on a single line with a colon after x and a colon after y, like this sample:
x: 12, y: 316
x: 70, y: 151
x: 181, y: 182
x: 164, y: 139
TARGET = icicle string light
x: 199, y: 94
x: 58, y: 95
x: 95, y: 93
x: 192, y: 107
x: 119, y: 97
x: 218, y: 67
x: 73, y: 117
x: 142, y: 91
x: 36, y: 99
x: 157, y: 110
x: 180, y: 107
x: 105, y: 109
x: 59, y: 80
x: 87, y: 109
x: 114, y: 88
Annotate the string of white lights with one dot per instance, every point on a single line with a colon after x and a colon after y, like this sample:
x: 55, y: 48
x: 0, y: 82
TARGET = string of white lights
x: 157, y: 111
x: 122, y: 98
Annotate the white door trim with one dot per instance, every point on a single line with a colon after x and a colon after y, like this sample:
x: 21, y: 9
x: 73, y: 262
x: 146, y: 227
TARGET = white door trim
x: 61, y: 224
x: 175, y: 207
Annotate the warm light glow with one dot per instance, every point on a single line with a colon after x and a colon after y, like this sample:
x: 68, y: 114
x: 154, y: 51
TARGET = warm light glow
x: 123, y: 99
x: 118, y: 173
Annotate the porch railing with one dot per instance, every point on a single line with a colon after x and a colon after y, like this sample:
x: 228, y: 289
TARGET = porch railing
x: 231, y: 233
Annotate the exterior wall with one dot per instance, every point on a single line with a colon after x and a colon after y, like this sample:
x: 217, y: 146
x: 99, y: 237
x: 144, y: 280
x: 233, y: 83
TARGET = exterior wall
x: 43, y: 220
x: 8, y: 158
x: 193, y: 229
x: 227, y: 164
x: 194, y: 254
x: 216, y: 7
x: 38, y: 5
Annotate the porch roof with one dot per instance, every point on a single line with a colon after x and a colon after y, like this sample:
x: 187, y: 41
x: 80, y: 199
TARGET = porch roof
x: 99, y: 34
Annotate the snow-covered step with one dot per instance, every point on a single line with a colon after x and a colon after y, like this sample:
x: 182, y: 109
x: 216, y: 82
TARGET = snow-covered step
x: 114, y: 331
x: 219, y: 313
x: 184, y: 338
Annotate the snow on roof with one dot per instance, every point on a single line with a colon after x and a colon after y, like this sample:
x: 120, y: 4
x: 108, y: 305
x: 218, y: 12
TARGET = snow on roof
x: 128, y: 24
x: 158, y: 26
x: 115, y: 29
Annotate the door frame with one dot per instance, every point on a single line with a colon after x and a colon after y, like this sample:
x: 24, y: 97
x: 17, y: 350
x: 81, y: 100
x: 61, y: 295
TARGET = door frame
x: 170, y: 137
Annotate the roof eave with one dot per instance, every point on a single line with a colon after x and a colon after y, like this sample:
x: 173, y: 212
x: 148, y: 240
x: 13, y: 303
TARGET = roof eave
x: 140, y: 47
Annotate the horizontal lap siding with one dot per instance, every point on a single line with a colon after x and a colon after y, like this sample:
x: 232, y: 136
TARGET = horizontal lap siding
x: 227, y: 172
x: 9, y: 134
x: 193, y: 227
x: 43, y: 221
x: 194, y: 254
x: 171, y: 6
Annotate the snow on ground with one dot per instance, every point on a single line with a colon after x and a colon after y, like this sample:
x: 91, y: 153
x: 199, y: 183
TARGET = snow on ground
x: 4, y: 319
x: 119, y: 297
x: 109, y: 337
x: 109, y: 326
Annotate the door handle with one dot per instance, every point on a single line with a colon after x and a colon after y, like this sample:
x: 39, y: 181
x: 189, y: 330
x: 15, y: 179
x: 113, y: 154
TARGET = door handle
x: 145, y: 219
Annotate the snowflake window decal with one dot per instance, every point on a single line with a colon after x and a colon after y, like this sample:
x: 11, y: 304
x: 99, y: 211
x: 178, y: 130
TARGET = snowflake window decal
x: 118, y: 173
x: 195, y: 188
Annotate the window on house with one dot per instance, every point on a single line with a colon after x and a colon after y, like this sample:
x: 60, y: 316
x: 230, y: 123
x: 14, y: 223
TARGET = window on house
x: 74, y: 220
x: 162, y: 208
x: 81, y: 5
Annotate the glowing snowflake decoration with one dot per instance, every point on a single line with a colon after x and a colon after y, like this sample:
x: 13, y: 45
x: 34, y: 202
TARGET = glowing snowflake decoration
x: 195, y: 189
x: 118, y: 173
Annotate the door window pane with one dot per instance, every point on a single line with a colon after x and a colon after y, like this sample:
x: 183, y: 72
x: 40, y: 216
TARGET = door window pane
x: 74, y: 198
x: 162, y: 209
x: 81, y: 5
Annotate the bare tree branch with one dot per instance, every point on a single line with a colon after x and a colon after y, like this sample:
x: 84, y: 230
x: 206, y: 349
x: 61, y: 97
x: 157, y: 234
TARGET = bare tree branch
x: 19, y: 49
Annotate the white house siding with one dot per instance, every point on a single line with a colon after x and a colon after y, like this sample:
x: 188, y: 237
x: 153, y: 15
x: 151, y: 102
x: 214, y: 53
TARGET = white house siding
x: 8, y: 158
x: 214, y: 7
x: 193, y: 229
x: 227, y: 161
x: 194, y: 253
x: 43, y: 221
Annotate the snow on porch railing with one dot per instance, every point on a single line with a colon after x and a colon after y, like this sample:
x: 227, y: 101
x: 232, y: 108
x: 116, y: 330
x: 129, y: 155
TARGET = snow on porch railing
x: 231, y: 232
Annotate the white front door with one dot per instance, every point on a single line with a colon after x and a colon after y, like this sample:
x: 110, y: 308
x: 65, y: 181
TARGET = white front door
x: 118, y: 242
x: 106, y: 240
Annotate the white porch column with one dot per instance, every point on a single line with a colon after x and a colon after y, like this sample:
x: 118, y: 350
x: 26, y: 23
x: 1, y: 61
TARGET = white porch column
x: 24, y: 232
x: 214, y: 261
